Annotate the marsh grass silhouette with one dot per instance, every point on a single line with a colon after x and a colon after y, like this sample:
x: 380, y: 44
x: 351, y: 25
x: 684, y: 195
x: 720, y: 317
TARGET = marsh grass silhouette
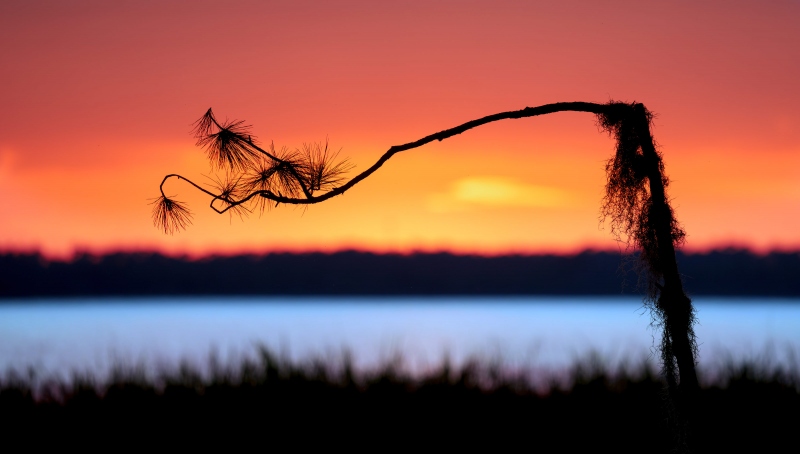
x: 635, y: 201
x: 274, y: 401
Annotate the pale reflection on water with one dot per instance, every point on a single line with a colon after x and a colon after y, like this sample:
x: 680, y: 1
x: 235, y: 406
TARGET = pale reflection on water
x: 60, y: 336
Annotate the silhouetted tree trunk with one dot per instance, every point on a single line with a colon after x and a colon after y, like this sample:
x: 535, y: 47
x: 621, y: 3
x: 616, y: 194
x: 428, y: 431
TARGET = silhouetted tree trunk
x: 678, y: 313
x: 676, y: 305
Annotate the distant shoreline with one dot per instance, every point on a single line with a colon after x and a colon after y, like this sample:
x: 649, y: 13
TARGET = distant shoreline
x: 724, y: 273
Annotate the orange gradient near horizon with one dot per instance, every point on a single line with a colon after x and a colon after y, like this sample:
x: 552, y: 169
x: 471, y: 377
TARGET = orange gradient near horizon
x: 100, y: 101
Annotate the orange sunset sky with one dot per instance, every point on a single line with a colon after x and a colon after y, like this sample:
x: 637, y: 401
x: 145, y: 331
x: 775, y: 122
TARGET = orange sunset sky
x: 98, y: 98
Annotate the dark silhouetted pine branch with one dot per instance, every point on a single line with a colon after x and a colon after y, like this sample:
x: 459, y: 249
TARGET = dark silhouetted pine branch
x: 635, y: 201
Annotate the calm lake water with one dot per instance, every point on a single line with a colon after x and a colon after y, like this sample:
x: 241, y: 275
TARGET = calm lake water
x: 90, y: 335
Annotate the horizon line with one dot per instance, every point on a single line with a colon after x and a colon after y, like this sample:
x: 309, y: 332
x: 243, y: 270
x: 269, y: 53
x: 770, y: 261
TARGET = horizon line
x: 80, y: 252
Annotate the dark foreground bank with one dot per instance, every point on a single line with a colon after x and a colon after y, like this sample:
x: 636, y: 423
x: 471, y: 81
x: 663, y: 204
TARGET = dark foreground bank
x: 720, y: 273
x: 272, y: 403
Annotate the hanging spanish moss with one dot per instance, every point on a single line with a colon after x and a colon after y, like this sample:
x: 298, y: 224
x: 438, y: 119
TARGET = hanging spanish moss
x: 627, y: 202
x: 638, y: 207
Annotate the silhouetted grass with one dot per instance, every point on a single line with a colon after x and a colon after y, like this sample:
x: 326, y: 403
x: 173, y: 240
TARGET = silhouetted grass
x: 275, y: 402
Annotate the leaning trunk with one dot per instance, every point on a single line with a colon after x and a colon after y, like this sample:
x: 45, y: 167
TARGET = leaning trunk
x: 678, y: 343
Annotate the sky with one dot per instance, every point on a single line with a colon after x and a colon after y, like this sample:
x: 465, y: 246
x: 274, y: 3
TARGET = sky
x: 98, y: 99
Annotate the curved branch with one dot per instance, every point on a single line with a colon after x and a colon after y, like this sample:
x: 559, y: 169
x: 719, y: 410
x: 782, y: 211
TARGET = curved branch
x: 231, y: 203
x: 161, y: 186
x: 439, y: 136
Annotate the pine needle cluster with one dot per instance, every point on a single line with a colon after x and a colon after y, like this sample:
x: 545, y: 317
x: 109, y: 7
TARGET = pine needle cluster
x: 246, y: 174
x: 170, y: 215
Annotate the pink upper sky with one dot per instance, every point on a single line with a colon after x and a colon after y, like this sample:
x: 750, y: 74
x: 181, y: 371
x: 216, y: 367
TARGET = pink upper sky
x: 98, y: 98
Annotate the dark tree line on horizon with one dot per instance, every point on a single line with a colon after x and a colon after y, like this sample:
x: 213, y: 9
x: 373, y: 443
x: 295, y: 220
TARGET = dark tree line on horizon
x: 733, y: 273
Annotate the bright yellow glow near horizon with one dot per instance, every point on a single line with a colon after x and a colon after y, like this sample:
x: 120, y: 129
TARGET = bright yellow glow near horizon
x: 495, y: 191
